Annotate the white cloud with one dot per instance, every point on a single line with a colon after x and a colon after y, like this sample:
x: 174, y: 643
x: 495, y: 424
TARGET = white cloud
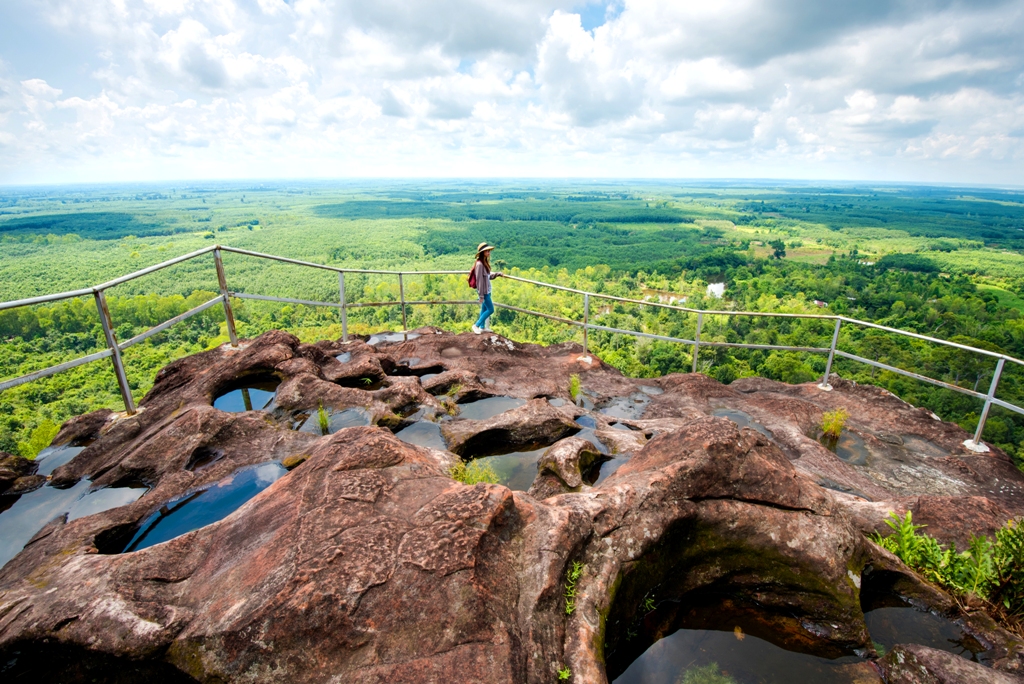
x: 919, y: 89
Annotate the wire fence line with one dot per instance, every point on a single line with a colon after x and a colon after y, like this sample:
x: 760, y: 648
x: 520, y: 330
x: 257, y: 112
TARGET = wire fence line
x: 114, y: 348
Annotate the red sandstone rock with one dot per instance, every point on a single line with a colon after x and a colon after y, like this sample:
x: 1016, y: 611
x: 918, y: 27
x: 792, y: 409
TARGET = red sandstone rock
x: 367, y: 563
x: 913, y: 664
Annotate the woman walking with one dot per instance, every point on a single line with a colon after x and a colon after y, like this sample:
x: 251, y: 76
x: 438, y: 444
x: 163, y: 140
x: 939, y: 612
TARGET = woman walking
x: 482, y: 278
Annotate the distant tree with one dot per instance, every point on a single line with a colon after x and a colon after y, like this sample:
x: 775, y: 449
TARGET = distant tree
x: 780, y: 248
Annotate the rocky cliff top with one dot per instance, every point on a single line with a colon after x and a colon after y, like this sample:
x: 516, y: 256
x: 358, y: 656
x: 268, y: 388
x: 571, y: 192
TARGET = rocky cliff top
x: 367, y: 562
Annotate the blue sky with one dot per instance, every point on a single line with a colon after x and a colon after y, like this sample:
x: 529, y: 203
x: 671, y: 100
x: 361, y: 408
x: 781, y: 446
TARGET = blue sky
x: 114, y: 90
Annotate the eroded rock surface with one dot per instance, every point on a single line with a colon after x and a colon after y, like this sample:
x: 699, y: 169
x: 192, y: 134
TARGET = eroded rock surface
x: 366, y: 562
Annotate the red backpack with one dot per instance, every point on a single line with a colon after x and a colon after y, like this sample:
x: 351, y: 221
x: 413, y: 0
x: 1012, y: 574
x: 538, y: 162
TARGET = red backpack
x: 472, y: 277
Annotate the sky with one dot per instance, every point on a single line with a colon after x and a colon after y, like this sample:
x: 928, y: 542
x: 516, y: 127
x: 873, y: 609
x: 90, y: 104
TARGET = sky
x: 151, y: 90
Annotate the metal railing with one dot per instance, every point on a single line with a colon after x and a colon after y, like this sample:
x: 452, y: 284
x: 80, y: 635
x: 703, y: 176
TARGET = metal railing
x: 114, y: 348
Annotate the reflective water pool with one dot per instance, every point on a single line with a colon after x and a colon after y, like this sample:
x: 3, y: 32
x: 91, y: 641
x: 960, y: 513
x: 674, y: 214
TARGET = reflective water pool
x: 51, y: 458
x: 336, y: 420
x: 742, y: 419
x: 631, y: 407
x: 391, y: 337
x: 205, y: 506
x: 704, y: 656
x: 906, y: 625
x: 606, y: 468
x: 344, y: 357
x: 850, y: 447
x: 489, y: 407
x: 30, y: 512
x: 516, y: 470
x: 254, y: 396
x: 424, y: 433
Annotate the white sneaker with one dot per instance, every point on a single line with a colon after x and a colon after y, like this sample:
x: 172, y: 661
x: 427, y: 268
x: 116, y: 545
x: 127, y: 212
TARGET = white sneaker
x: 476, y: 330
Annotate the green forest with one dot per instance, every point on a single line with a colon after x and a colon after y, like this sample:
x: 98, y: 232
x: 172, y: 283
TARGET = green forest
x: 943, y: 262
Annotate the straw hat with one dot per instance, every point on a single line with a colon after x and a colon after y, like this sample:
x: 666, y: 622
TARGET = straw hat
x: 484, y: 247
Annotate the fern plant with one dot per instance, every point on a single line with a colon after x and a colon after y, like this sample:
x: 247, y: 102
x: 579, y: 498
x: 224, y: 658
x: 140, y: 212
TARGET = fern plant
x: 572, y: 576
x: 986, y: 569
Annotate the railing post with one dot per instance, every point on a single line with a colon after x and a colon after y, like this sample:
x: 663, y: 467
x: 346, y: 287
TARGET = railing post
x: 223, y: 281
x: 975, y: 444
x: 344, y: 306
x: 586, y: 320
x: 108, y: 333
x: 696, y: 340
x: 831, y: 355
x: 401, y: 295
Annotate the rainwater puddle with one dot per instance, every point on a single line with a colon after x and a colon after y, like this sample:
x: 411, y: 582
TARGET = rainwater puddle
x: 516, y: 470
x: 391, y: 337
x: 336, y: 420
x: 428, y: 376
x: 423, y: 433
x: 254, y: 396
x: 489, y: 407
x: 631, y: 407
x: 705, y: 656
x: 206, y: 506
x: 606, y: 468
x: 742, y: 419
x: 344, y: 357
x: 51, y: 458
x: 651, y: 391
x: 623, y: 426
x: 557, y: 403
x: 589, y: 433
x: 32, y: 511
x: 905, y: 625
x: 850, y: 447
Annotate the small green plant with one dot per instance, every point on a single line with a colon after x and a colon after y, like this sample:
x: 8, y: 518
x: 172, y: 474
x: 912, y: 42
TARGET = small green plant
x: 833, y: 422
x: 572, y: 576
x: 708, y: 674
x: 453, y: 390
x: 473, y: 472
x: 366, y: 381
x: 449, y: 406
x: 1008, y: 556
x: 564, y: 673
x: 574, y: 386
x: 879, y: 648
x: 648, y: 604
x: 323, y: 420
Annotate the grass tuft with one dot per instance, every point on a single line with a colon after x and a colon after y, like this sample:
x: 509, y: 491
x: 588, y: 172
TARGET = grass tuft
x: 574, y: 386
x: 323, y: 420
x: 473, y: 472
x: 833, y: 422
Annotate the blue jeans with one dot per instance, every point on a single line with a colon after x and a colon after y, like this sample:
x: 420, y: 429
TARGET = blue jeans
x: 486, y: 309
